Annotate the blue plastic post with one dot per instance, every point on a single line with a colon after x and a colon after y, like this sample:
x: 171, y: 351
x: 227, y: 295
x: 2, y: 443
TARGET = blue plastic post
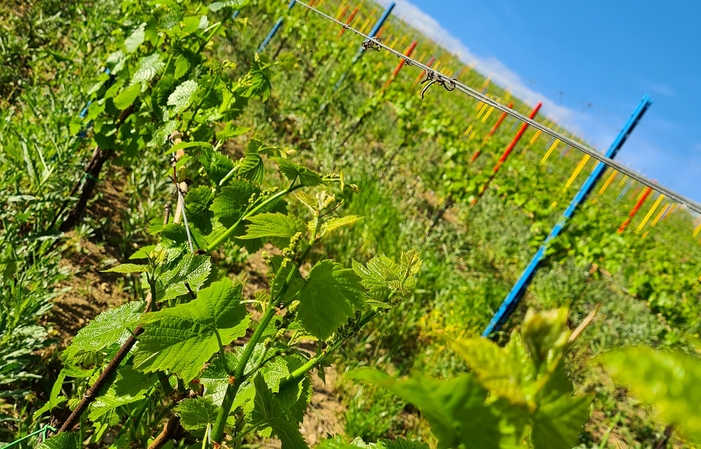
x: 275, y: 29
x: 381, y: 21
x: 509, y: 304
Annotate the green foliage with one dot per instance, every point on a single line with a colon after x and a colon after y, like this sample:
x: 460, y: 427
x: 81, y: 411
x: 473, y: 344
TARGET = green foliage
x: 183, y: 338
x: 514, y: 394
x: 666, y: 380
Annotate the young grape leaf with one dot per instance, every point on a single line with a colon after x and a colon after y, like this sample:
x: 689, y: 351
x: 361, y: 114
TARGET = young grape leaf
x: 271, y: 225
x: 127, y: 96
x: 132, y: 382
x: 55, y: 398
x: 557, y: 424
x: 268, y: 412
x: 230, y: 205
x: 182, y: 96
x: 667, y: 380
x: 63, y: 440
x: 381, y: 276
x: 328, y: 298
x: 111, y: 327
x: 104, y: 408
x: 493, y: 367
x: 216, y: 165
x: 231, y: 130
x: 148, y: 67
x: 251, y: 167
x: 193, y: 269
x: 135, y: 39
x: 183, y: 338
x: 336, y: 223
x: 197, y: 413
x: 293, y: 171
x: 454, y: 408
x: 128, y: 268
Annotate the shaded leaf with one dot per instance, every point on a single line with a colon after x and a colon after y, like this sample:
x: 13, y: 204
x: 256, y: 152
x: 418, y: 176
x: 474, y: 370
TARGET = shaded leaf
x: 197, y: 413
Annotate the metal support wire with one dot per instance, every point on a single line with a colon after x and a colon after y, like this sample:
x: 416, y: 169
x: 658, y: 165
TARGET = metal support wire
x: 671, y: 194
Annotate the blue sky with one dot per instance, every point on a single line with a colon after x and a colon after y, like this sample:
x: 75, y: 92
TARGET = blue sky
x: 591, y: 62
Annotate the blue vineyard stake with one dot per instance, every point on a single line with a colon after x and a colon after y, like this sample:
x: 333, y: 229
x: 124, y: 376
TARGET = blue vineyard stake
x: 362, y: 49
x: 511, y: 301
x: 275, y: 29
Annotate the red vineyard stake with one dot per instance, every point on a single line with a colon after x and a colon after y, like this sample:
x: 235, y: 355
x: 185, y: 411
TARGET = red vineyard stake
x: 635, y: 209
x: 421, y: 76
x: 407, y: 53
x: 491, y: 133
x: 507, y: 152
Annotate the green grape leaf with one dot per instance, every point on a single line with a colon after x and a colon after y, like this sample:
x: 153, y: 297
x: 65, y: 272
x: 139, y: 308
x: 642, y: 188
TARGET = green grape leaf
x: 63, y: 440
x: 111, y: 327
x: 193, y: 269
x: 454, y: 408
x: 128, y: 268
x: 328, y: 298
x: 135, y: 39
x: 182, y: 65
x: 271, y: 225
x: 197, y: 204
x: 230, y: 205
x: 55, y: 398
x: 495, y: 370
x: 183, y: 338
x: 336, y: 223
x: 251, y: 167
x: 380, y: 276
x: 197, y: 413
x: 403, y: 443
x: 216, y: 165
x: 216, y: 6
x: 148, y: 67
x: 104, y: 408
x: 268, y: 412
x: 231, y: 130
x: 667, y: 380
x: 127, y: 96
x: 557, y: 424
x: 132, y: 382
x: 182, y: 96
x: 292, y: 171
x: 545, y: 335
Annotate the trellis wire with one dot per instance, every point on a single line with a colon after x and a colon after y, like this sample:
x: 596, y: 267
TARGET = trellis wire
x: 689, y: 203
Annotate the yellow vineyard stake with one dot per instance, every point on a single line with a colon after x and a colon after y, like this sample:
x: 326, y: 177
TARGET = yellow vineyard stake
x: 550, y: 151
x: 486, y: 82
x: 608, y: 182
x: 472, y: 136
x: 625, y: 177
x: 697, y: 230
x: 659, y: 216
x: 480, y: 105
x: 534, y: 138
x: 340, y: 8
x: 486, y: 116
x: 467, y: 131
x: 367, y: 23
x: 401, y: 42
x: 479, y: 115
x: 577, y: 171
x: 649, y: 214
x: 507, y: 95
x: 394, y: 43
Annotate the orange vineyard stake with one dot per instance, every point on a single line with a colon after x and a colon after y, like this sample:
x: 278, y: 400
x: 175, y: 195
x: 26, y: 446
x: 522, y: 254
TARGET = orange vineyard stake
x: 494, y: 129
x: 635, y: 209
x: 350, y: 19
x: 423, y: 72
x: 507, y: 152
x: 407, y: 53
